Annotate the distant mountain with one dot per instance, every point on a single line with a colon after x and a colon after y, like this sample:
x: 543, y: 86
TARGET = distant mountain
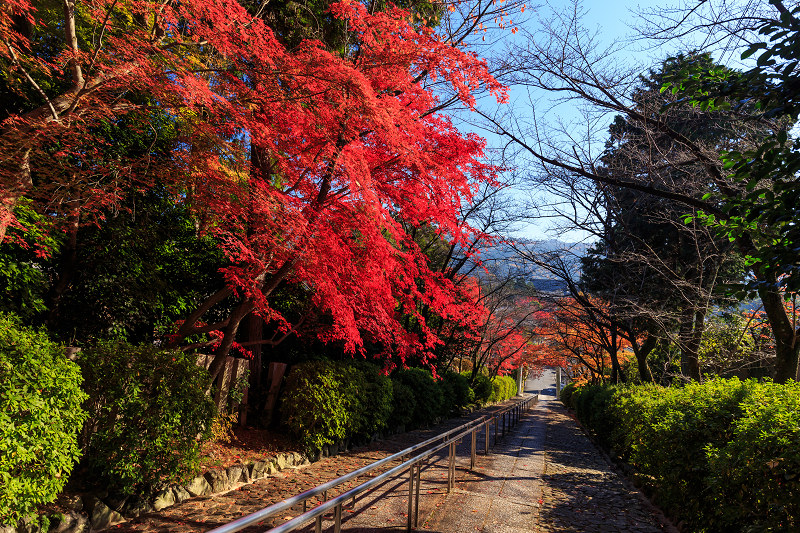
x: 518, y: 260
x: 550, y: 286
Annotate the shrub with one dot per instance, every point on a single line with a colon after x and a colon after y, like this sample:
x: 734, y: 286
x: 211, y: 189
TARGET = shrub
x: 459, y: 394
x: 147, y: 407
x: 373, y: 400
x: 510, y: 387
x: 724, y: 454
x: 317, y: 408
x: 599, y: 416
x: 428, y: 395
x: 40, y: 417
x: 403, y: 404
x: 673, y: 438
x: 326, y: 402
x: 503, y: 388
x: 448, y: 406
x: 497, y: 391
x: 566, y: 395
x: 481, y: 388
x: 755, y: 478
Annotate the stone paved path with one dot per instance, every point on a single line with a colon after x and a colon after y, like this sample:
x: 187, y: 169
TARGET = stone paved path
x: 544, y: 477
x: 581, y: 493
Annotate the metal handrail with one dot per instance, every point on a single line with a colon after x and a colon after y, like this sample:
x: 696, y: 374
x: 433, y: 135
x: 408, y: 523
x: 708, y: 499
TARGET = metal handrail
x: 336, y: 503
x: 240, y: 523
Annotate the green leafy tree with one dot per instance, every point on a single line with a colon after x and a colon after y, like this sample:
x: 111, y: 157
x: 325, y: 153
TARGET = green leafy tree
x: 760, y: 204
x: 136, y: 273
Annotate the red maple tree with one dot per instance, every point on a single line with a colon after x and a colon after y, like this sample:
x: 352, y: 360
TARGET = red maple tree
x: 581, y: 340
x: 304, y: 163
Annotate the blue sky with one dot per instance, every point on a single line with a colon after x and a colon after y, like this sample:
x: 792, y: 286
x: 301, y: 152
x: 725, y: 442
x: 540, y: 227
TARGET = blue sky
x: 614, y: 21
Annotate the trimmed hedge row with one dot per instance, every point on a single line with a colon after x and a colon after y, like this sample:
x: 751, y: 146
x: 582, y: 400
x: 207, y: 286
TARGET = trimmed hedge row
x: 325, y: 402
x: 723, y: 455
x: 492, y: 390
x: 503, y: 388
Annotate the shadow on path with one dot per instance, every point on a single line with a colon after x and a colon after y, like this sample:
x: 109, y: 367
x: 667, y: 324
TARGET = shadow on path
x: 581, y: 493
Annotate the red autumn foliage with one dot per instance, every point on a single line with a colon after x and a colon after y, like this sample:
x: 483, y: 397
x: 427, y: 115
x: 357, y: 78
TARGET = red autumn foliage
x: 304, y: 163
x: 578, y: 338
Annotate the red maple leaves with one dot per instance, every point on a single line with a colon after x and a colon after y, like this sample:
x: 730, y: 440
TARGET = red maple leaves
x: 305, y: 163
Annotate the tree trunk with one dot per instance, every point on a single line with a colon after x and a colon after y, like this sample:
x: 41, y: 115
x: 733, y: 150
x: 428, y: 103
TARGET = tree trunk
x: 616, y: 371
x: 244, y: 308
x: 69, y: 265
x: 787, y: 346
x: 690, y: 335
x: 694, y: 348
x: 255, y: 334
x: 641, y: 353
x: 10, y: 196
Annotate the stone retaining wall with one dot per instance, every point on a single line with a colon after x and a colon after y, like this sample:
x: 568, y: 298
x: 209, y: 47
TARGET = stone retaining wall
x: 94, y: 512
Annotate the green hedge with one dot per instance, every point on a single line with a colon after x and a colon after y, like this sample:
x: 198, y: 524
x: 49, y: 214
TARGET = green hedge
x: 457, y: 392
x: 503, y: 388
x: 481, y: 387
x: 325, y: 402
x: 403, y: 405
x: 430, y: 401
x: 40, y: 417
x: 566, y: 395
x: 149, y: 414
x: 374, y: 403
x: 755, y: 477
x: 319, y: 403
x: 723, y: 455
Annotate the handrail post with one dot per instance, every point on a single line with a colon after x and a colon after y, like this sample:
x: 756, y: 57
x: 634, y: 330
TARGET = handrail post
x: 318, y: 526
x: 410, y: 496
x: 337, y: 524
x: 416, y: 502
x: 486, y: 436
x: 451, y: 468
x: 474, y: 446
